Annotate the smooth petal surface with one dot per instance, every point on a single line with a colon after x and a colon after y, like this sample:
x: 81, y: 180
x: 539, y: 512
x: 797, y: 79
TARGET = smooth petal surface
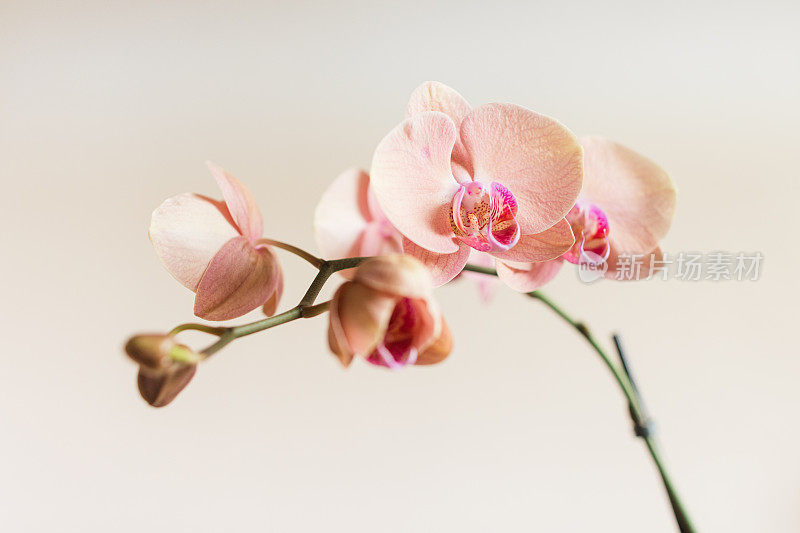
x: 435, y: 96
x: 637, y: 196
x: 187, y: 231
x: 442, y: 267
x: 271, y: 305
x: 341, y: 215
x: 413, y: 181
x: 358, y: 320
x: 534, y: 156
x: 238, y: 279
x: 439, y: 350
x: 527, y: 277
x: 549, y: 244
x: 396, y: 275
x: 240, y: 202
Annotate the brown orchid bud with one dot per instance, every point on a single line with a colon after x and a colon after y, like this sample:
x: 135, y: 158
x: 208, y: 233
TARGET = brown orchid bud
x: 165, y: 367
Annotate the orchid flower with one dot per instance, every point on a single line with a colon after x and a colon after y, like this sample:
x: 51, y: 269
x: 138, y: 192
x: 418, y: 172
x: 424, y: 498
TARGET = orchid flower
x: 498, y: 179
x: 348, y: 221
x: 625, y: 208
x: 213, y: 249
x: 386, y: 315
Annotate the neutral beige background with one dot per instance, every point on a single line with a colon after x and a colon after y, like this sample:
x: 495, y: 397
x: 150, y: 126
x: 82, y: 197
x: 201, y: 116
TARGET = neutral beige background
x: 108, y: 108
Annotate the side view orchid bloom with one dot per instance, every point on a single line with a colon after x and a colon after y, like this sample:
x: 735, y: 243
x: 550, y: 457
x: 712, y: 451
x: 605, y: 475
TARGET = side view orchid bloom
x: 213, y: 249
x: 498, y: 179
x: 497, y: 191
x: 387, y: 315
x: 625, y: 207
x: 348, y: 221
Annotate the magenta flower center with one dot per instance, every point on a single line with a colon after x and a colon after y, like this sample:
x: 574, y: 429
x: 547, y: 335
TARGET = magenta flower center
x: 398, y: 347
x: 484, y: 217
x: 590, y: 226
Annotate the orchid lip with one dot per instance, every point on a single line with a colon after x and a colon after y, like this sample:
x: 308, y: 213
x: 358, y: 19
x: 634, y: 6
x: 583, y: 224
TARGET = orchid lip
x: 590, y: 223
x: 389, y: 360
x: 484, y: 218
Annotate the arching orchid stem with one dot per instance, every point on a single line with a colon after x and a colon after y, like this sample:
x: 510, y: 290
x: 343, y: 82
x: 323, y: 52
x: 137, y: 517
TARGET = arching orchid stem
x: 638, y: 415
x: 311, y: 258
x: 629, y: 389
x: 211, y: 330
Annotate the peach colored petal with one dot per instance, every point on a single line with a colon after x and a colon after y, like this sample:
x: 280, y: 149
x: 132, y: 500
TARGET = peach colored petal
x: 527, y: 277
x: 537, y: 158
x: 271, y: 305
x: 442, y: 267
x: 435, y: 96
x: 238, y: 279
x: 637, y: 196
x: 631, y: 273
x: 187, y: 230
x: 413, y: 181
x: 240, y: 203
x: 396, y: 275
x: 358, y: 320
x: 548, y: 244
x: 439, y: 350
x: 341, y: 215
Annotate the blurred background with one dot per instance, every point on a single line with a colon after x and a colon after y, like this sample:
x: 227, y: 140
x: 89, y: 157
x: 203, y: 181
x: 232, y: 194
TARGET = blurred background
x: 107, y: 108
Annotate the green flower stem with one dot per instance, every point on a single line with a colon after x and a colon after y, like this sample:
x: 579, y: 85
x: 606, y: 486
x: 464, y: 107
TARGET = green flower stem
x: 311, y: 258
x: 304, y: 309
x: 621, y: 376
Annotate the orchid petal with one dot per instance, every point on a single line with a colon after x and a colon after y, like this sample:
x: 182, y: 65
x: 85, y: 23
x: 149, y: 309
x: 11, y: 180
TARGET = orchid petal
x: 271, y: 305
x: 240, y: 203
x: 549, y: 244
x: 647, y: 262
x: 160, y: 388
x: 435, y: 96
x: 442, y: 267
x: 340, y: 217
x: 238, y: 279
x: 439, y: 350
x: 396, y: 275
x: 359, y: 317
x: 534, y: 156
x: 413, y: 181
x: 527, y: 277
x: 187, y: 230
x: 637, y: 196
x: 487, y: 284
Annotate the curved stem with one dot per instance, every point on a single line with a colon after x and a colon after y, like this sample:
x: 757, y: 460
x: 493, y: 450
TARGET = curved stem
x: 311, y: 258
x: 623, y: 379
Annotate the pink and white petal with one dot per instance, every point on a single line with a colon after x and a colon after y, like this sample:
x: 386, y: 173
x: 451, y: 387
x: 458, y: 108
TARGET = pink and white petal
x: 413, y: 181
x: 435, y: 96
x: 549, y: 244
x: 358, y: 318
x: 187, y: 230
x: 378, y: 239
x: 238, y: 279
x: 620, y: 269
x: 341, y: 214
x: 534, y: 156
x: 527, y: 277
x: 397, y: 275
x: 240, y: 202
x: 271, y: 305
x: 635, y: 193
x: 442, y: 267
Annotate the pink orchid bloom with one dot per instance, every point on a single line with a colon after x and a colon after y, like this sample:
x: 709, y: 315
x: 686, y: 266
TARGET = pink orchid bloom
x: 213, y: 249
x: 348, y: 221
x: 625, y: 207
x: 498, y: 179
x: 387, y: 315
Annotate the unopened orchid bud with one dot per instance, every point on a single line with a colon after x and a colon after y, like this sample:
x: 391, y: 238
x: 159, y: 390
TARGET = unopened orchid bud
x: 165, y: 367
x: 387, y: 315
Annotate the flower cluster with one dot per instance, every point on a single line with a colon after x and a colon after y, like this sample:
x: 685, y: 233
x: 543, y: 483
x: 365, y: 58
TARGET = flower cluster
x: 498, y: 186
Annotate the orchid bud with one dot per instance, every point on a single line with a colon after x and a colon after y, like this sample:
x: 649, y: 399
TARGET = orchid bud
x: 165, y: 367
x: 387, y: 315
